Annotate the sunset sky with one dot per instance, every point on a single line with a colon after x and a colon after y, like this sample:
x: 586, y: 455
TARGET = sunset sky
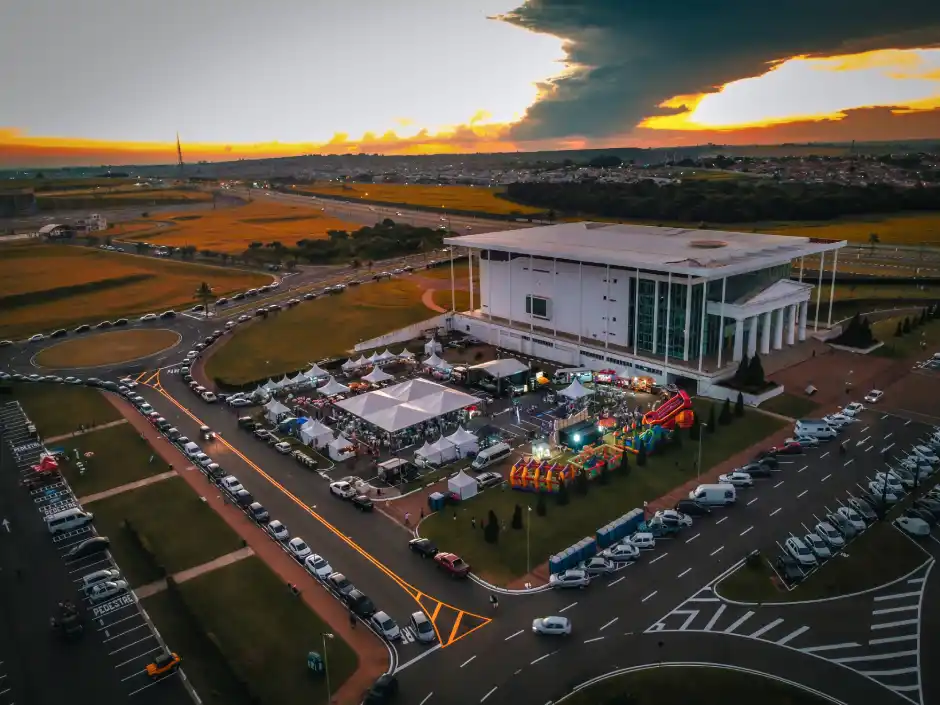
x: 109, y: 82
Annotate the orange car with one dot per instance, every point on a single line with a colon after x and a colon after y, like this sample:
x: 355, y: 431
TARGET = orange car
x: 163, y: 665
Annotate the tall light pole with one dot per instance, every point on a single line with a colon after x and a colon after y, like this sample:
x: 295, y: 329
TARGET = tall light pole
x: 528, y: 523
x: 326, y: 666
x: 701, y: 435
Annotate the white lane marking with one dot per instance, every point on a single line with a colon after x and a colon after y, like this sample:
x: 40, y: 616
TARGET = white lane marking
x: 468, y: 661
x: 916, y: 580
x: 489, y: 694
x: 685, y: 625
x: 614, y: 582
x: 684, y: 572
x: 741, y: 620
x: 426, y: 698
x: 889, y: 610
x: 863, y: 431
x: 908, y: 422
x: 862, y: 442
x: 896, y: 596
x: 870, y: 448
x: 544, y: 656
x: 775, y: 511
x: 802, y: 493
x: 132, y: 629
x: 690, y: 540
x: 608, y: 624
x: 892, y: 625
x: 658, y: 558
x: 563, y: 609
x: 149, y: 636
x: 746, y: 530
x: 752, y: 501
x: 131, y: 660
x: 715, y: 618
x: 649, y: 596
x: 721, y: 520
x: 887, y: 448
x: 514, y: 635
x: 792, y: 635
x: 803, y: 468
x: 848, y: 462
x: 766, y: 628
x: 876, y: 657
x: 716, y: 551
x: 590, y: 641
x: 778, y: 484
x: 830, y: 647
x: 891, y: 672
x: 824, y: 454
x: 826, y: 477
x: 888, y: 435
x: 893, y: 639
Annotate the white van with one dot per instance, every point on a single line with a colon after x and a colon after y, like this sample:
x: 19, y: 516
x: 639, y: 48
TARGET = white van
x: 68, y: 520
x: 815, y: 428
x: 191, y: 449
x: 720, y: 495
x: 488, y: 456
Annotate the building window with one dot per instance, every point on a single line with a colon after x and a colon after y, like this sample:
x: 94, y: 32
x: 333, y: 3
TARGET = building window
x: 537, y: 307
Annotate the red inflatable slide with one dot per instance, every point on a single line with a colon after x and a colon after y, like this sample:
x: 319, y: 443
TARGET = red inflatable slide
x: 665, y: 414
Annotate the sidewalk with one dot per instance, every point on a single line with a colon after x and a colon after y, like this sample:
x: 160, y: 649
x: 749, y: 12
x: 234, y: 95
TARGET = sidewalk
x: 100, y: 427
x: 372, y: 654
x: 194, y: 572
x: 120, y: 489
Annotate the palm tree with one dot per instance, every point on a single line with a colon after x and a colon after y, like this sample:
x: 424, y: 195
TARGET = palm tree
x: 205, y: 296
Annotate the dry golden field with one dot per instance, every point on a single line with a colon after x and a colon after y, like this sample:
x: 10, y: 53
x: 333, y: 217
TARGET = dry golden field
x: 44, y: 287
x: 107, y: 348
x: 900, y: 229
x: 232, y: 230
x: 466, y: 198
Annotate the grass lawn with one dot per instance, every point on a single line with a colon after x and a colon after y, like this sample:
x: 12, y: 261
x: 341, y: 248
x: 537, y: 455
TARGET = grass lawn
x: 330, y: 325
x: 42, y: 283
x: 120, y: 456
x: 107, y: 348
x: 878, y: 556
x: 57, y: 409
x: 792, y: 405
x: 887, y: 293
x: 563, y: 525
x: 203, y: 662
x: 462, y: 198
x: 910, y: 344
x: 180, y: 529
x: 900, y: 229
x: 677, y: 685
x: 265, y: 633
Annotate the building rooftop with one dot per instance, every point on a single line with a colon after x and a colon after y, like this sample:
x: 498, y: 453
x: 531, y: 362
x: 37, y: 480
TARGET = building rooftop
x: 708, y: 253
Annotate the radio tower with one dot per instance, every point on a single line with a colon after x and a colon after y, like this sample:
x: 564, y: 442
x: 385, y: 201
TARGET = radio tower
x: 179, y: 154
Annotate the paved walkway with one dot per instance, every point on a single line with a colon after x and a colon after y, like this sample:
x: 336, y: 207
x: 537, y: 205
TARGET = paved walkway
x: 100, y: 427
x: 372, y: 654
x: 121, y: 489
x: 194, y: 572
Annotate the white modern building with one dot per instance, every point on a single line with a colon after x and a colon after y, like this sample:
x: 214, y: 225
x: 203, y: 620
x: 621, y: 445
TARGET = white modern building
x: 668, y: 303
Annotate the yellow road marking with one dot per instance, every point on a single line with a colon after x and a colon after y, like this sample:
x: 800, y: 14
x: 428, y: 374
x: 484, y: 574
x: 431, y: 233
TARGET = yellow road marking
x: 436, y: 610
x: 137, y: 379
x: 453, y: 631
x: 412, y: 591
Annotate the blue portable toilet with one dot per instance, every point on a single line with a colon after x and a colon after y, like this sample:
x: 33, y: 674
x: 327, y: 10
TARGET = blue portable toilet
x: 567, y: 561
x: 590, y: 548
x: 436, y: 501
x: 555, y: 564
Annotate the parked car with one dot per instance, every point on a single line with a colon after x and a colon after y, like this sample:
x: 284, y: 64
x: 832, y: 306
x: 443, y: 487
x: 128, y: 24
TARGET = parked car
x: 918, y: 528
x: 863, y: 508
x: 342, y: 489
x: 842, y: 524
x: 670, y: 517
x: 423, y: 547
x: 917, y: 513
x: 853, y: 517
x: 805, y: 441
x: 692, y: 508
x: 359, y: 603
x: 621, y: 553
x: 874, y: 396
x: 800, y: 552
x: 318, y: 566
x: 362, y: 503
x: 552, y: 626
x: 598, y: 565
x: 422, y: 628
x: 827, y: 532
x: 283, y: 448
x: 853, y: 409
x: 230, y: 484
x: 106, y: 590
x: 819, y: 547
x: 489, y: 479
x: 339, y: 583
x: 277, y: 530
x: 788, y: 448
x: 88, y: 547
x: 258, y: 512
x: 163, y: 665
x: 382, y: 691
x: 298, y: 547
x: 789, y: 569
x: 385, y: 626
x: 643, y: 540
x: 452, y: 564
x: 573, y: 578
x: 736, y: 478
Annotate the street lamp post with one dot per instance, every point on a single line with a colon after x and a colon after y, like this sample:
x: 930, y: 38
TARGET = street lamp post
x: 701, y: 435
x: 528, y: 523
x: 326, y: 666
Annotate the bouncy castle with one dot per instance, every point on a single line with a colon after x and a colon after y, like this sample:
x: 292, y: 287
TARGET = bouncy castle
x: 596, y: 459
x: 534, y: 476
x: 660, y: 423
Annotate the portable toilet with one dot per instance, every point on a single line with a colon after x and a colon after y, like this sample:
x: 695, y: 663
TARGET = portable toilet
x: 604, y: 536
x: 436, y: 501
x: 555, y: 564
x: 589, y: 549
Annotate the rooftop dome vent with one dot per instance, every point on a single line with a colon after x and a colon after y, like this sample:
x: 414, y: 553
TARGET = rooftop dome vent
x: 708, y: 244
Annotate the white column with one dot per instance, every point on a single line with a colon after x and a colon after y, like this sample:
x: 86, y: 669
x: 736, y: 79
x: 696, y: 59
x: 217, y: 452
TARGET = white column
x: 636, y: 310
x: 554, y: 295
x: 453, y: 291
x: 626, y: 312
x: 655, y: 317
x: 738, y: 340
x: 721, y: 323
x: 668, y: 319
x: 607, y: 314
x: 822, y: 265
x: 701, y: 335
x: 531, y: 290
x: 804, y: 305
x: 580, y: 300
x: 791, y: 324
x: 509, y: 264
x: 470, y: 260
x: 801, y: 269
x: 832, y: 286
x: 765, y: 335
x: 490, y: 272
x: 752, y: 338
x: 688, y: 318
x: 778, y: 327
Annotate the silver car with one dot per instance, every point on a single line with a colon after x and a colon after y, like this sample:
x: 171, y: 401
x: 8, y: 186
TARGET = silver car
x: 570, y: 579
x: 422, y: 628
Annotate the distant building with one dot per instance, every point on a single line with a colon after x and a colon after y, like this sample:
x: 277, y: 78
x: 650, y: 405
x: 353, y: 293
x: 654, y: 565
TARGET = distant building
x: 92, y: 223
x: 17, y: 203
x: 56, y: 231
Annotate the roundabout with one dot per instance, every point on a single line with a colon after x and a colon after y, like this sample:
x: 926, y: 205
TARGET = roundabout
x: 106, y: 349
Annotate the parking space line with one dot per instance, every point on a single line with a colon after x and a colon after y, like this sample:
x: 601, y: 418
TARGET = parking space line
x: 830, y: 647
x: 123, y: 619
x: 149, y: 636
x: 891, y: 672
x: 468, y: 661
x: 803, y: 468
x: 649, y: 596
x: 752, y: 501
x: 131, y: 660
x: 608, y: 624
x: 128, y: 631
x: 588, y: 641
x: 826, y: 477
x: 893, y: 639
x: 716, y: 551
x: 778, y: 484
x: 658, y: 558
x: 824, y: 454
x: 721, y: 520
x: 892, y: 625
x: 134, y: 675
x: 567, y: 608
x: 876, y: 657
x: 848, y: 462
x: 792, y: 635
x: 741, y: 620
x: 896, y: 596
x: 684, y: 572
x: 715, y: 617
x: 766, y: 628
x: 514, y: 635
x: 149, y: 685
x: 690, y: 540
x: 775, y: 511
x: 614, y: 582
x: 889, y: 610
x: 802, y: 493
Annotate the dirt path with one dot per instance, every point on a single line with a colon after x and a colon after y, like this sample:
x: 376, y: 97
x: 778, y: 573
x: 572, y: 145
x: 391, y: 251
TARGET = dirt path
x: 427, y: 298
x: 373, y: 656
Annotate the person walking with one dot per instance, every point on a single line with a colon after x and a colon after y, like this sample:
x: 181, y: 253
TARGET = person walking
x: 494, y: 601
x: 352, y: 619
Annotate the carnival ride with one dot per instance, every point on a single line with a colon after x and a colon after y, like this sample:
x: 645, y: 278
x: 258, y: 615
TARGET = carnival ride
x: 656, y: 425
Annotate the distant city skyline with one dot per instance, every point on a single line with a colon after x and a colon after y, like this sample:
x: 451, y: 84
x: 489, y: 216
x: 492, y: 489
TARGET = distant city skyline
x: 102, y: 82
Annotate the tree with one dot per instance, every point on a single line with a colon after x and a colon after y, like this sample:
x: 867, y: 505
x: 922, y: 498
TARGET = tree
x: 624, y: 467
x: 755, y: 372
x: 205, y: 296
x: 604, y: 477
x: 695, y: 430
x: 711, y: 427
x: 675, y: 440
x: 923, y: 316
x: 562, y: 497
x: 641, y: 455
x: 899, y: 331
x: 581, y: 482
x: 725, y: 418
x: 739, y: 405
x: 517, y: 517
x: 491, y: 530
x: 540, y: 508
x: 740, y: 375
x: 873, y: 240
x: 551, y: 216
x: 907, y: 325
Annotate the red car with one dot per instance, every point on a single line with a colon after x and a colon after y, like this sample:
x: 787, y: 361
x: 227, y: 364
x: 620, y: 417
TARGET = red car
x: 453, y: 564
x: 791, y: 448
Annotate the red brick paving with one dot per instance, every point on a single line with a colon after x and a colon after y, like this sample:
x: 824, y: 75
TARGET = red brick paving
x: 373, y: 656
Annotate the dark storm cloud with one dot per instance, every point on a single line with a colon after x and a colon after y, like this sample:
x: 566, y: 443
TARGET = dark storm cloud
x: 637, y: 54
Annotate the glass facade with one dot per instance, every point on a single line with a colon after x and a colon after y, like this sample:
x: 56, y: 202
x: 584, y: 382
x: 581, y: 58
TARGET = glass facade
x: 645, y: 306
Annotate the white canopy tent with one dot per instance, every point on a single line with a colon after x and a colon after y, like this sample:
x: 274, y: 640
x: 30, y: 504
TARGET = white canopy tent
x: 504, y: 367
x: 270, y: 386
x: 374, y: 357
x: 333, y: 387
x: 363, y: 361
x: 463, y: 485
x: 377, y: 375
x: 464, y: 441
x: 317, y: 371
x: 349, y: 365
x: 576, y: 390
x: 437, y: 363
x: 447, y: 450
x: 313, y: 433
x: 406, y: 354
x: 387, y: 356
x: 340, y: 448
x: 283, y: 382
x: 298, y: 379
x: 274, y: 409
x: 427, y: 455
x: 259, y: 392
x: 432, y: 347
x: 406, y: 404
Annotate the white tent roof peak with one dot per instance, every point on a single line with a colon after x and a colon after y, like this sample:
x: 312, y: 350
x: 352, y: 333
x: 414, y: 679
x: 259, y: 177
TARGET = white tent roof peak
x: 377, y: 375
x: 333, y: 387
x: 461, y: 435
x: 317, y: 371
x: 362, y: 361
x: 441, y: 444
x: 575, y: 390
x: 462, y: 479
x: 504, y: 367
x: 406, y: 354
x: 270, y: 385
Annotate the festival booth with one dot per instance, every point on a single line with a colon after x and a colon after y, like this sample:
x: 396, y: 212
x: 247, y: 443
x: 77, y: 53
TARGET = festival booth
x: 317, y: 372
x: 332, y: 388
x: 363, y: 361
x: 432, y: 347
x: 340, y: 449
x: 274, y: 410
x: 386, y: 357
x: 576, y: 391
x: 270, y: 386
x: 495, y: 375
x: 426, y: 455
x: 283, y: 382
x: 377, y: 376
x: 444, y: 448
x: 464, y: 441
x: 530, y: 475
x: 463, y: 485
x: 406, y: 354
x: 316, y: 434
x: 436, y: 363
x: 299, y: 380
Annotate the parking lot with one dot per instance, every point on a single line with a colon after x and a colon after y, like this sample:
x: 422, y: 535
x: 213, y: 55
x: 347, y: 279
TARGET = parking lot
x: 107, y: 662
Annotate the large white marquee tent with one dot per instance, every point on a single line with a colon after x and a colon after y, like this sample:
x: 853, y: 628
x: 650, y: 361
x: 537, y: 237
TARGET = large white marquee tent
x: 407, y: 404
